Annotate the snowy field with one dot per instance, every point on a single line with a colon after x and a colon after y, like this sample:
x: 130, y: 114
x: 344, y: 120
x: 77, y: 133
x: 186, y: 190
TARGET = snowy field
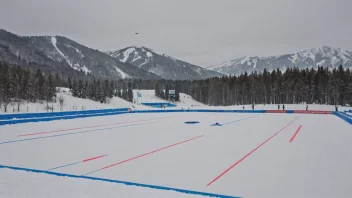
x: 250, y: 155
x: 24, y: 184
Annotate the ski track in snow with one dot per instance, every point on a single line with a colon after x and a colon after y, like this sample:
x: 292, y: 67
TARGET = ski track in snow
x: 54, y: 41
x: 126, y: 54
x: 122, y: 74
x: 75, y: 66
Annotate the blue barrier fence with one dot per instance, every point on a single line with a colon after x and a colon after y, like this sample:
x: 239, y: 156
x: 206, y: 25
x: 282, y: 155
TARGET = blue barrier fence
x: 57, y: 114
x: 343, y: 116
x: 198, y: 110
x: 59, y: 118
x: 158, y: 104
x: 39, y: 117
x: 119, y: 182
x: 348, y: 115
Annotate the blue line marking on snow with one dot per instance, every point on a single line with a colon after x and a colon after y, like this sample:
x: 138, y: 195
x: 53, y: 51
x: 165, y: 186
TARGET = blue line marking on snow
x: 64, y: 165
x: 120, y: 182
x: 91, y: 172
x: 218, y: 124
x: 36, y: 138
x: 236, y: 121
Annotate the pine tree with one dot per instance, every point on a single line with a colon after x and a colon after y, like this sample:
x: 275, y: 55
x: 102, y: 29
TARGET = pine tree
x: 130, y: 93
x: 75, y: 90
x: 51, y: 93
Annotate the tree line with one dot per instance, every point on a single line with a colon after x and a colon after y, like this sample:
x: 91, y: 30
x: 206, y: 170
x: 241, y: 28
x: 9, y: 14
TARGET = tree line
x: 18, y: 84
x: 100, y: 90
x: 292, y: 86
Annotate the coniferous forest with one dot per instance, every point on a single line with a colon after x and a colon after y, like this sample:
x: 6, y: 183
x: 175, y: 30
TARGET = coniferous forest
x: 293, y: 86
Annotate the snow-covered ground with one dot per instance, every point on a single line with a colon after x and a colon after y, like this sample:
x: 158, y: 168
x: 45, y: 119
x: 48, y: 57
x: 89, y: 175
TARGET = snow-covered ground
x: 17, y: 184
x: 149, y: 96
x: 186, y: 101
x: 250, y: 155
x: 71, y: 104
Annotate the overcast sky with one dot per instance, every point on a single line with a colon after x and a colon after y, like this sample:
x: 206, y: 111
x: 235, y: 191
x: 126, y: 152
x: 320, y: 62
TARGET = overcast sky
x: 203, y: 32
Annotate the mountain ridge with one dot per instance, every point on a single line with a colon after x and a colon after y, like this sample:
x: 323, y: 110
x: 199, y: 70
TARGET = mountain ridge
x: 161, y: 64
x: 310, y: 58
x: 64, y: 56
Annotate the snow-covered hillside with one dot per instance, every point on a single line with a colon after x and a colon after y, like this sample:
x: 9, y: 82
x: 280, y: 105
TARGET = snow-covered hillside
x: 311, y: 58
x: 65, y: 57
x: 16, y: 184
x: 148, y: 96
x: 70, y: 104
x: 161, y: 64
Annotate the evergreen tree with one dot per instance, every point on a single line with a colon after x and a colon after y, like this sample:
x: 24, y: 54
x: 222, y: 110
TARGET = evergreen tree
x: 130, y: 93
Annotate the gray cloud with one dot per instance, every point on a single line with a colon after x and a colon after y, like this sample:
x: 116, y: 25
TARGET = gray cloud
x: 203, y: 32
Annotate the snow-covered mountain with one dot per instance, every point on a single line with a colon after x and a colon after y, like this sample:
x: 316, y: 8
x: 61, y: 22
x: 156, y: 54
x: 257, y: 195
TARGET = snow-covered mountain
x: 161, y: 64
x: 312, y: 58
x: 64, y: 56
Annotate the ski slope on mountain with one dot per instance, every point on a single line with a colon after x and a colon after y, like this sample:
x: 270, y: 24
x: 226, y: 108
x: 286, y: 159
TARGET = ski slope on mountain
x: 161, y: 64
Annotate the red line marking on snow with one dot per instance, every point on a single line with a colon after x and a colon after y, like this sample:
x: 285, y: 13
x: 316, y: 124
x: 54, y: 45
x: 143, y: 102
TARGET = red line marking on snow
x: 63, y: 130
x: 151, y: 152
x: 93, y: 158
x: 293, y: 137
x: 248, y: 154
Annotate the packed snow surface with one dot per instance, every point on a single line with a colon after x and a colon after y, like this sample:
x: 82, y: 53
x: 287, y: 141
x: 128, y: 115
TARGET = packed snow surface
x: 159, y: 149
x: 16, y: 184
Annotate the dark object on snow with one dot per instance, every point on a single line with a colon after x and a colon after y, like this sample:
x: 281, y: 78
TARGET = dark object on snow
x: 191, y: 122
x: 283, y: 107
x: 336, y: 108
x: 252, y: 106
x: 307, y: 108
x: 216, y: 124
x: 278, y: 107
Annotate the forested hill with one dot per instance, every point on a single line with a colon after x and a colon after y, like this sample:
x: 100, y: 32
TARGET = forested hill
x: 322, y: 86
